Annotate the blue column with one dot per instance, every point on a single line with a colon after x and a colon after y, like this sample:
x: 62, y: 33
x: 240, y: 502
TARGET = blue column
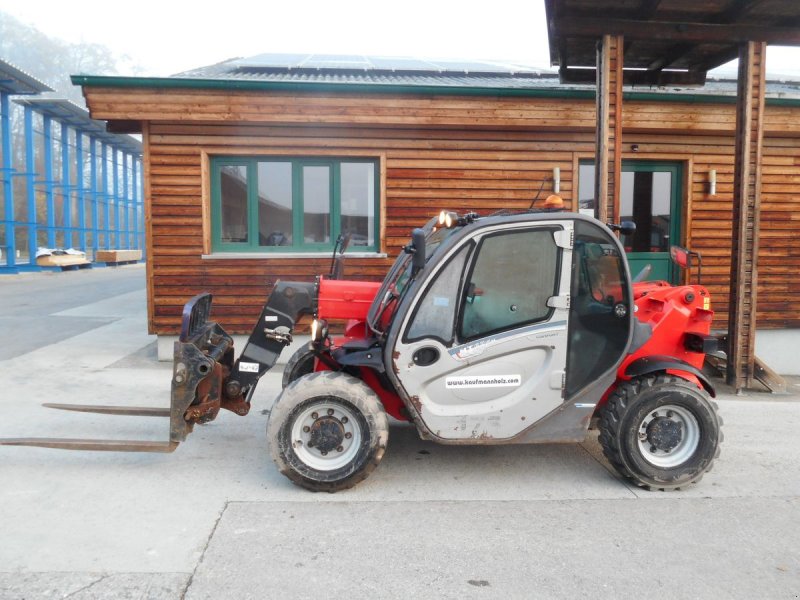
x: 80, y: 190
x: 117, y: 203
x: 94, y: 195
x: 30, y: 175
x: 8, y: 190
x: 126, y: 201
x: 48, y: 181
x: 65, y: 186
x: 106, y: 209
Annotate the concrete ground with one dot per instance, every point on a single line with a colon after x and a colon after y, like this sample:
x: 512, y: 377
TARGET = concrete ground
x: 216, y: 520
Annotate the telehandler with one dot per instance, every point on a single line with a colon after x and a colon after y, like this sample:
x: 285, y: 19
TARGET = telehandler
x: 512, y: 328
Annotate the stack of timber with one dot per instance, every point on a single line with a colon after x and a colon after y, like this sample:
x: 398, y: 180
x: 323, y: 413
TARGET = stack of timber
x: 118, y: 257
x: 67, y: 260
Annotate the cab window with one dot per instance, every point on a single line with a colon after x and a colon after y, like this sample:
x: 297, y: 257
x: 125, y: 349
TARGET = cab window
x: 435, y: 312
x: 513, y: 276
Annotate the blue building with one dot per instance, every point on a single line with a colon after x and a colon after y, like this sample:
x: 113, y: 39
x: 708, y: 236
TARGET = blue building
x: 65, y: 182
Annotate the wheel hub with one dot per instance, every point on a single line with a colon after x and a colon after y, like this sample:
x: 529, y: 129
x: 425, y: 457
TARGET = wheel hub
x: 668, y: 436
x: 327, y: 433
x: 664, y: 433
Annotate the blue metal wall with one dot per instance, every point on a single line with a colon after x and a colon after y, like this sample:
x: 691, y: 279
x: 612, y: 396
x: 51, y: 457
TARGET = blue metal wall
x: 61, y: 187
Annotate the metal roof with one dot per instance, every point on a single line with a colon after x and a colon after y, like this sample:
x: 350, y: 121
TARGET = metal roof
x: 372, y: 70
x: 359, y: 63
x: 429, y: 75
x: 272, y: 72
x: 16, y: 81
x: 666, y: 41
x: 78, y: 118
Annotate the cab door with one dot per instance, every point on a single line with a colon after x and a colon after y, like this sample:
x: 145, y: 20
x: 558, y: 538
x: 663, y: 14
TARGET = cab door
x: 482, y: 351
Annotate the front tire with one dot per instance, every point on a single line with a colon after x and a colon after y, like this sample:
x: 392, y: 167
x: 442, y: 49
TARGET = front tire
x: 660, y: 431
x: 327, y: 431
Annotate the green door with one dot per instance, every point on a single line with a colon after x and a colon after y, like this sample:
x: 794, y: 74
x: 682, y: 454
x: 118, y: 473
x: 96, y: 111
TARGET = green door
x: 650, y: 196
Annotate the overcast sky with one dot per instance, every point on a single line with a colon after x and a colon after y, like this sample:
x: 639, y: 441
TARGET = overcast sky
x: 168, y: 36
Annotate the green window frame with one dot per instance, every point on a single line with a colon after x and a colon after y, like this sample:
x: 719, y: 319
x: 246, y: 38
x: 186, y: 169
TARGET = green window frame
x: 297, y: 241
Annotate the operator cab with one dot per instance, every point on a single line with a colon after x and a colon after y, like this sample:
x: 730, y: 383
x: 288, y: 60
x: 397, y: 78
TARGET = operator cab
x: 512, y: 318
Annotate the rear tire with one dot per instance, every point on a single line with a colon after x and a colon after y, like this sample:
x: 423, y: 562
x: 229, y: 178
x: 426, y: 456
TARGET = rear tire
x: 660, y: 431
x: 299, y: 364
x: 327, y: 431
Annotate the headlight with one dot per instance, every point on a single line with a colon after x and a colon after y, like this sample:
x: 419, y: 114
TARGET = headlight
x: 442, y: 217
x: 319, y: 329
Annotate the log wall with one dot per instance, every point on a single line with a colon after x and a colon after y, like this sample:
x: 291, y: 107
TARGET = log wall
x: 479, y: 153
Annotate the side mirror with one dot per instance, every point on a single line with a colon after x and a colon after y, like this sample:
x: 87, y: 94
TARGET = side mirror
x: 418, y: 248
x: 687, y: 259
x: 625, y: 228
x: 345, y: 243
x: 681, y: 257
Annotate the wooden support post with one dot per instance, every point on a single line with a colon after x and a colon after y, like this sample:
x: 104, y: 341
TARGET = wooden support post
x: 746, y: 215
x: 608, y: 142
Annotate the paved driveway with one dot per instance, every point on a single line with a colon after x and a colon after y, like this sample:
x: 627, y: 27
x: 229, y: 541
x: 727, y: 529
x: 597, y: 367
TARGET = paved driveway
x: 215, y: 520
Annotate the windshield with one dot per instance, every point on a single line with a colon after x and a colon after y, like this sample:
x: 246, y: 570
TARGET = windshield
x: 399, y: 276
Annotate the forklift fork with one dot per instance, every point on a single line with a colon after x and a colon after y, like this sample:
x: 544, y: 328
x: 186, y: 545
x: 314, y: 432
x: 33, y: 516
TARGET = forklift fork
x: 202, y: 357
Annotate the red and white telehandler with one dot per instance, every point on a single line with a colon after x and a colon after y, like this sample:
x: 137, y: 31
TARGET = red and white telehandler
x: 503, y: 329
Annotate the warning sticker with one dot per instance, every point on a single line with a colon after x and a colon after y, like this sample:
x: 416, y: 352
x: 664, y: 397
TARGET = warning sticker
x: 247, y: 367
x: 482, y: 381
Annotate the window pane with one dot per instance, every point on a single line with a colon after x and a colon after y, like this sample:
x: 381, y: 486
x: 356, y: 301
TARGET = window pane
x: 436, y: 311
x: 514, y: 275
x: 358, y: 202
x: 586, y: 187
x: 645, y: 200
x: 233, y: 193
x: 274, y: 204
x: 317, y: 204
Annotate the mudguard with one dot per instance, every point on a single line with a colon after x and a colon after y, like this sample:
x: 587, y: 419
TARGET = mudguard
x: 657, y: 363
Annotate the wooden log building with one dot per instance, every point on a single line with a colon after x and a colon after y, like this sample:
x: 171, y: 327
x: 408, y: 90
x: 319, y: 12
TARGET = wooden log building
x: 252, y: 167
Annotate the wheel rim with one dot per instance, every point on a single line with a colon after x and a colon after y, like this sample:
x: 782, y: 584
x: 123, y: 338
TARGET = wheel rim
x: 668, y: 436
x: 326, y: 435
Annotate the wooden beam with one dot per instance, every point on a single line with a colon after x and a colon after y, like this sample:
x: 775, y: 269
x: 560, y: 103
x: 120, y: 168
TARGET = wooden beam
x: 728, y: 54
x: 717, y: 59
x: 637, y: 77
x: 647, y: 8
x: 148, y: 227
x: 608, y: 140
x: 712, y: 33
x: 736, y: 10
x: 746, y: 215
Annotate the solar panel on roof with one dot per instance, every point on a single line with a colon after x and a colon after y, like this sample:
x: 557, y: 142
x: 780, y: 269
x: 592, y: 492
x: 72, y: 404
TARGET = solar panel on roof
x: 391, y: 63
x: 372, y: 63
x: 336, y: 61
x: 272, y: 60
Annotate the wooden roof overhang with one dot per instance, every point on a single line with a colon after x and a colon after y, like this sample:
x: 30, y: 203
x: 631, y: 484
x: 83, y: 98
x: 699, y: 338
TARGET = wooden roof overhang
x: 667, y: 42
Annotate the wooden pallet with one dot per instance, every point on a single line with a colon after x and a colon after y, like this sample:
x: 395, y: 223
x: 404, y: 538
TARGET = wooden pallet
x: 118, y: 257
x: 63, y: 260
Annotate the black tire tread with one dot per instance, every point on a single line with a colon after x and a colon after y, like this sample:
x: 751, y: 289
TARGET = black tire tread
x: 332, y: 383
x: 611, y: 427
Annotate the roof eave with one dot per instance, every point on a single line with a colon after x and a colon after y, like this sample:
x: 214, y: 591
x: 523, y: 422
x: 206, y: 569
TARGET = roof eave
x: 376, y: 88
